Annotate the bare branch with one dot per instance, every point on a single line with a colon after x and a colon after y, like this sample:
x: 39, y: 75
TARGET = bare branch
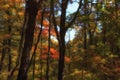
x: 54, y: 20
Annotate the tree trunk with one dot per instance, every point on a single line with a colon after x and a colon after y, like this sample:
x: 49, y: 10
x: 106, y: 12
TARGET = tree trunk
x: 31, y: 7
x: 90, y: 37
x: 61, y: 58
x: 62, y: 40
x: 3, y: 54
x: 104, y: 35
x: 85, y: 38
x: 9, y: 51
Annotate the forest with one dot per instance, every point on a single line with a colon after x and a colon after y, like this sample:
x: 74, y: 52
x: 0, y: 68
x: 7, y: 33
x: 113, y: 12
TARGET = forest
x: 60, y: 40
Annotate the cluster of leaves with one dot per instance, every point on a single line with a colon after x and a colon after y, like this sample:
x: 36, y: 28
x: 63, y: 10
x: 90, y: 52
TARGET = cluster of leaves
x: 100, y: 58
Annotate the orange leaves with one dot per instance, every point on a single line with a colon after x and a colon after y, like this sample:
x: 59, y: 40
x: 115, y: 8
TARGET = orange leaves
x: 54, y: 54
x: 53, y: 51
x: 45, y: 23
x: 20, y: 13
x: 67, y: 59
x: 45, y: 31
x: 16, y: 1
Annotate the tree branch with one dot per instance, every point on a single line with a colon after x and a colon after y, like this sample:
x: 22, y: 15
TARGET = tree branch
x: 54, y: 20
x: 80, y: 4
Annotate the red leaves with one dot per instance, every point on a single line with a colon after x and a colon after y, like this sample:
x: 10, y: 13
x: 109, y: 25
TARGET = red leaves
x: 54, y: 54
x: 53, y: 51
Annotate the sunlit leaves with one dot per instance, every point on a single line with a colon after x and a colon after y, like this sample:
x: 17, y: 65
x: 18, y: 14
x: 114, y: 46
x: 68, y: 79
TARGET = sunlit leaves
x: 45, y: 31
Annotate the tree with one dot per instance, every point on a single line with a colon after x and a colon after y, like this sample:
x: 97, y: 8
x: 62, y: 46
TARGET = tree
x: 61, y: 35
x: 31, y: 10
x: 42, y: 52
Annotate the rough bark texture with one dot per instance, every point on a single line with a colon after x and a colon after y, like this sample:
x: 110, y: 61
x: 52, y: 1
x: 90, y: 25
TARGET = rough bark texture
x: 31, y: 6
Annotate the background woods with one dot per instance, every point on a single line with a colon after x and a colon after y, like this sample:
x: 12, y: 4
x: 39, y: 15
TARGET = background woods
x: 60, y: 40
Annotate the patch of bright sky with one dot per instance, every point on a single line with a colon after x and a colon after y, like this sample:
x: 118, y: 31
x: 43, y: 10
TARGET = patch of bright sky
x: 71, y: 9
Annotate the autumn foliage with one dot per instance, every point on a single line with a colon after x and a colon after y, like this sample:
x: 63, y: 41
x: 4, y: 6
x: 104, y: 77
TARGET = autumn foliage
x: 45, y: 23
x: 54, y: 54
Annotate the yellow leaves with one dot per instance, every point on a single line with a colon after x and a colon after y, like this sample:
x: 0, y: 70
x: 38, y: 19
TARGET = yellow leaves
x: 82, y: 50
x: 103, y: 61
x: 5, y: 16
x: 92, y: 25
x: 6, y: 6
x: 97, y: 30
x: 74, y: 49
x: 79, y: 73
x: 92, y: 47
x: 14, y: 11
x: 92, y: 16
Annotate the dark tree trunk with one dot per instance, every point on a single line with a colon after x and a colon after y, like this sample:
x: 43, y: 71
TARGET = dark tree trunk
x: 61, y: 57
x: 104, y: 35
x: 31, y: 7
x: 9, y: 51
x: 61, y: 36
x: 62, y: 40
x: 85, y: 38
x: 3, y: 54
x: 90, y: 37
x: 34, y: 62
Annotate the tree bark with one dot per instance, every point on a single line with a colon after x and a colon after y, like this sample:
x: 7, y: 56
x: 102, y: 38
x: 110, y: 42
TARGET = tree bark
x: 3, y: 54
x: 31, y: 7
x: 85, y: 38
x: 62, y: 40
x: 9, y: 51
